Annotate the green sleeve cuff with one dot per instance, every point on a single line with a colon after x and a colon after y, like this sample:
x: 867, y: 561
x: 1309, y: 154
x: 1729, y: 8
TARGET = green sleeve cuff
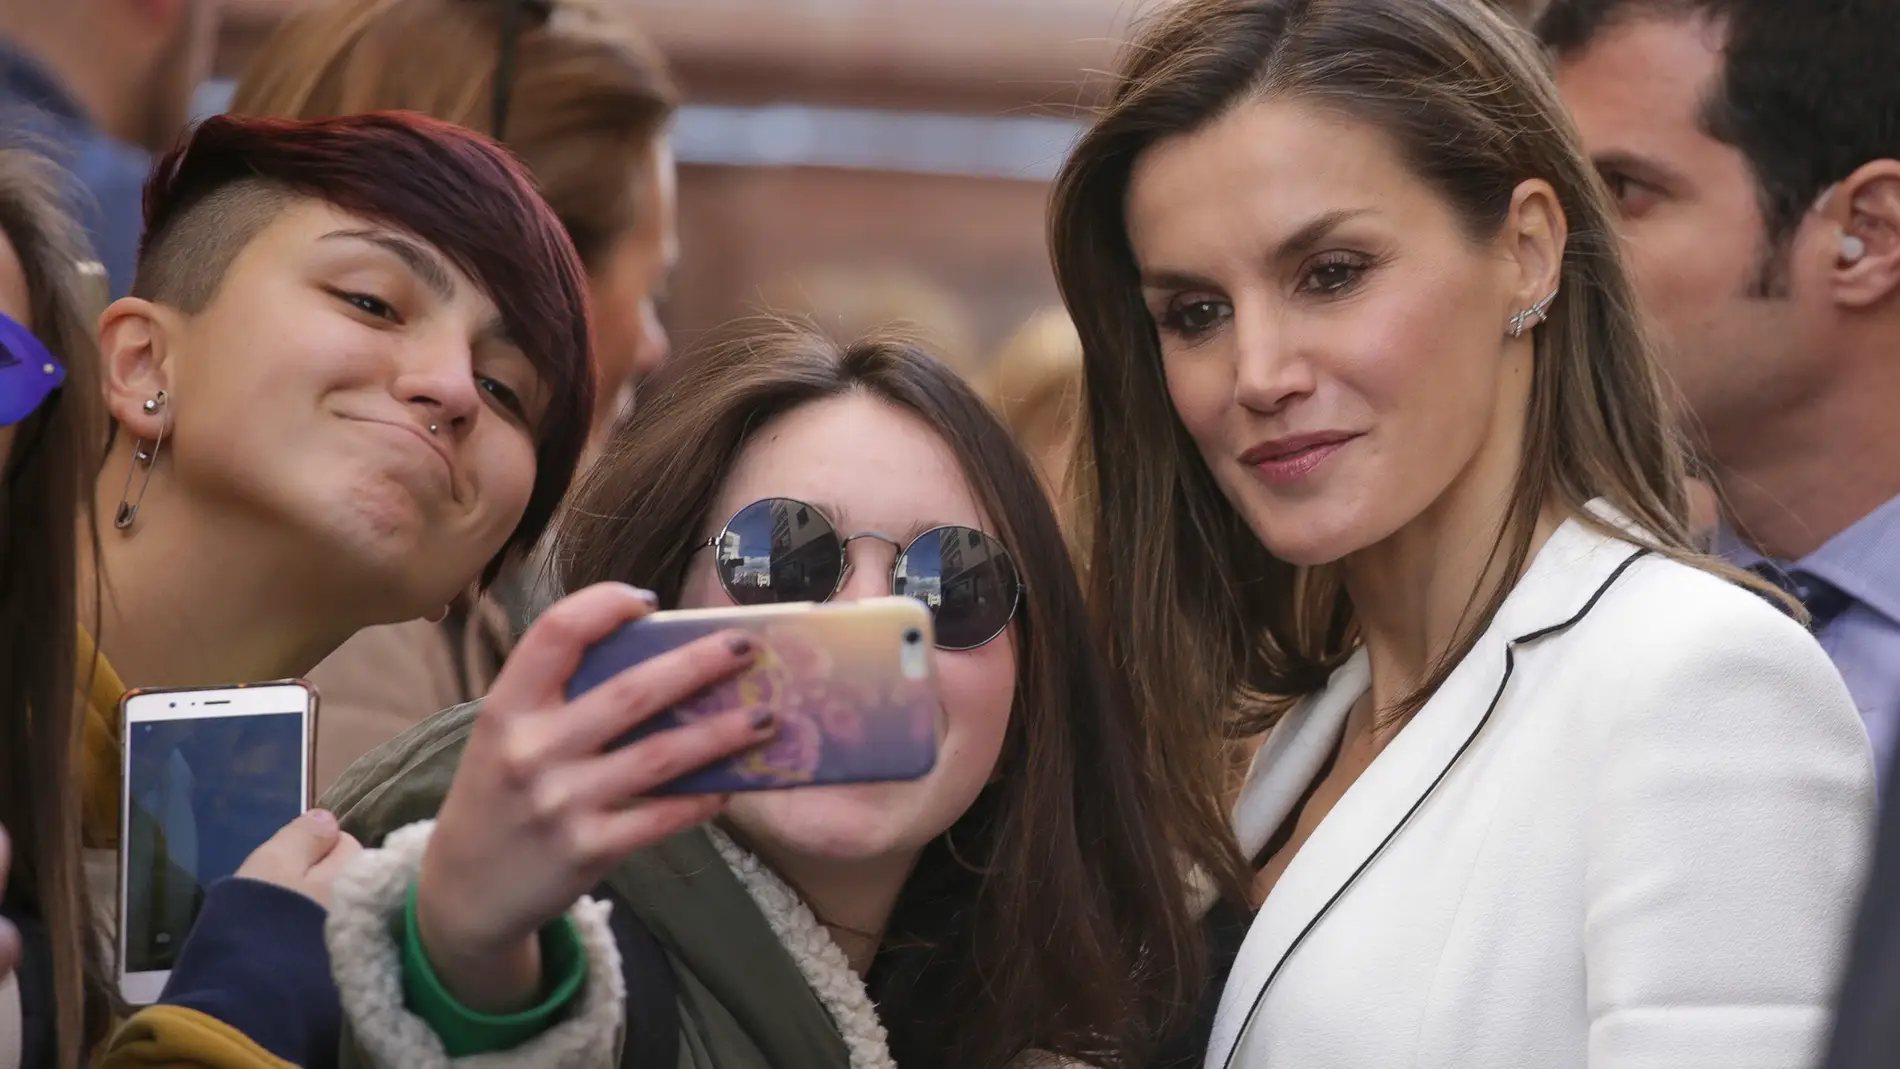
x: 463, y: 1031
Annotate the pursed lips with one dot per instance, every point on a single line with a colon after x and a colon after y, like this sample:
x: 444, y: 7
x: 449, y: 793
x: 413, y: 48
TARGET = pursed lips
x: 1293, y: 445
x: 434, y: 445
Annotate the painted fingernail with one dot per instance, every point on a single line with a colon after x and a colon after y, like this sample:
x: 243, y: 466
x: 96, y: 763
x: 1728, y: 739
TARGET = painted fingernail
x: 740, y: 645
x: 763, y: 719
x: 648, y: 596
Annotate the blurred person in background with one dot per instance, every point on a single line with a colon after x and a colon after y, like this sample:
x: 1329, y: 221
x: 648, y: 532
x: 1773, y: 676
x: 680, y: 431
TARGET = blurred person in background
x: 1385, y: 469
x: 575, y: 91
x: 1035, y: 385
x: 99, y: 85
x: 1753, y: 150
x: 851, y: 301
x: 59, y: 1003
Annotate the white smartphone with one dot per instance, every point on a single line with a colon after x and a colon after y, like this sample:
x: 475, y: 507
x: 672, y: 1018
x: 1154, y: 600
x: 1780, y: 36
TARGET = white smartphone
x: 209, y: 774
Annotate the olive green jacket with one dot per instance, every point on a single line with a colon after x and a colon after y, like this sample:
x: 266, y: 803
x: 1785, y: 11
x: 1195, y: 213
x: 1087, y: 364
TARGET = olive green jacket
x: 743, y: 1003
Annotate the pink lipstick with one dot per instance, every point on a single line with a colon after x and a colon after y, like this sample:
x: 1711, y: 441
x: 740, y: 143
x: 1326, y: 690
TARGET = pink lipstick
x: 1288, y: 460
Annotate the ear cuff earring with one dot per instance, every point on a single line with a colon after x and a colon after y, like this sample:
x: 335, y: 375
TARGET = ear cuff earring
x: 141, y: 457
x: 1533, y: 316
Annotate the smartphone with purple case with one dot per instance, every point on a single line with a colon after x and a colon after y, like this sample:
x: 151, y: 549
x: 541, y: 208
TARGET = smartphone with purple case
x: 849, y: 683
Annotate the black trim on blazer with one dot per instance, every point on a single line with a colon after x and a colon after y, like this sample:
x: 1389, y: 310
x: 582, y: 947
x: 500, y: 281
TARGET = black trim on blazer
x: 1510, y: 662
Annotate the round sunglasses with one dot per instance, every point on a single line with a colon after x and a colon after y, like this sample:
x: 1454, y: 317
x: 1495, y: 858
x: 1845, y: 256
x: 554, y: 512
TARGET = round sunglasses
x: 780, y: 549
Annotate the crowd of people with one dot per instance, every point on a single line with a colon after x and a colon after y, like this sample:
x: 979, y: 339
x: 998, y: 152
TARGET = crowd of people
x: 1453, y: 528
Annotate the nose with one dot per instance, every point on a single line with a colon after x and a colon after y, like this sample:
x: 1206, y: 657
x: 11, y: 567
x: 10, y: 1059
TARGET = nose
x: 655, y: 346
x: 435, y: 378
x: 868, y: 561
x: 1270, y: 370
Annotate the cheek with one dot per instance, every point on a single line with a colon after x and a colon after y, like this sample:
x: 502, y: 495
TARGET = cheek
x: 1691, y: 257
x: 505, y: 478
x: 977, y: 688
x: 310, y: 359
x: 701, y: 590
x: 264, y: 426
x: 1429, y: 352
x: 1672, y: 264
x: 1201, y: 388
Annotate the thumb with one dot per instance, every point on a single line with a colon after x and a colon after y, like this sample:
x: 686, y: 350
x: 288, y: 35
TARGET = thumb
x: 305, y: 841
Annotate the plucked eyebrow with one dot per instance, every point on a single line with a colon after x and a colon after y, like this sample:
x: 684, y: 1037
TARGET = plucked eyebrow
x: 425, y: 265
x: 1294, y: 246
x: 429, y: 269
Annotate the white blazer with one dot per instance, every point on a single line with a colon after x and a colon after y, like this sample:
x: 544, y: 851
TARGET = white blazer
x: 1627, y: 833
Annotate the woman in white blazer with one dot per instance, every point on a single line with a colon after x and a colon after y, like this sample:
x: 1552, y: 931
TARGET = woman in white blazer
x: 1383, y: 470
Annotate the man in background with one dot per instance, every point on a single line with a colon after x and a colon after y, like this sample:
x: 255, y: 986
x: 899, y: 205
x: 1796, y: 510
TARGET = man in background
x: 98, y: 85
x: 1753, y: 149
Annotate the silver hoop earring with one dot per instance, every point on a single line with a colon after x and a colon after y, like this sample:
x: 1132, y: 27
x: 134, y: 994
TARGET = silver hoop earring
x: 128, y: 507
x: 1540, y: 312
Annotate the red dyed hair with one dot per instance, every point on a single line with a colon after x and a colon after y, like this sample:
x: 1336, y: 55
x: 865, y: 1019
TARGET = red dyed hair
x: 448, y: 186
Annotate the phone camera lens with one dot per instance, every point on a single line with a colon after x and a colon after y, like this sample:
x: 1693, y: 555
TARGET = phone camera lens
x: 913, y: 636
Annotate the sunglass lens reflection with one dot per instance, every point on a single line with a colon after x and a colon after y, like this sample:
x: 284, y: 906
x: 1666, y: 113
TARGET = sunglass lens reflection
x: 966, y: 579
x: 778, y: 550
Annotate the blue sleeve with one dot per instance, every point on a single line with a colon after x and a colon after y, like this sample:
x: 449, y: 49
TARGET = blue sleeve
x: 256, y: 960
x: 114, y: 209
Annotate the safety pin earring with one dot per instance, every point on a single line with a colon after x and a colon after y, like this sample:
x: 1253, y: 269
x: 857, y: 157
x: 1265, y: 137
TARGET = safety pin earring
x: 1539, y: 312
x: 128, y: 508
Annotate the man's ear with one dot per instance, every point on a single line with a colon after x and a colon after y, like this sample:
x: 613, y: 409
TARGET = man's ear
x: 135, y: 339
x: 1865, y: 211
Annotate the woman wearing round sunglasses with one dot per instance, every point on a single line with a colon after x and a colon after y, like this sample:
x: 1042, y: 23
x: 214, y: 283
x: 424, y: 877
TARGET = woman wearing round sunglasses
x: 1021, y: 897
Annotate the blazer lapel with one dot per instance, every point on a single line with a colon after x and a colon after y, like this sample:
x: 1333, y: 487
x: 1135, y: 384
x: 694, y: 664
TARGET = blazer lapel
x: 1294, y: 752
x: 1574, y: 566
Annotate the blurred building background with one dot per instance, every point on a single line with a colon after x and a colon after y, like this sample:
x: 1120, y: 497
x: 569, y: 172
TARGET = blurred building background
x: 864, y: 159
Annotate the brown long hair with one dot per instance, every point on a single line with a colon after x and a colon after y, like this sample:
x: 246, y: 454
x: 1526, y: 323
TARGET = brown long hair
x: 1075, y: 937
x: 1220, y: 635
x: 589, y: 95
x: 46, y: 492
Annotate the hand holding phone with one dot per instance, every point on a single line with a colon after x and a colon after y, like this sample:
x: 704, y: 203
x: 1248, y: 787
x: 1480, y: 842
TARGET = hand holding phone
x: 541, y: 806
x: 305, y: 856
x: 849, y: 683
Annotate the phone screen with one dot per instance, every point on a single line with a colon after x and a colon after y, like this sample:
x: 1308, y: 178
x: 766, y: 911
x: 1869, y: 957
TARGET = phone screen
x: 201, y: 794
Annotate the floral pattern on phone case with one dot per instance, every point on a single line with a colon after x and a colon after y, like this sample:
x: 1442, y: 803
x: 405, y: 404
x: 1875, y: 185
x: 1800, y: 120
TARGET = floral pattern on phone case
x: 832, y: 677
